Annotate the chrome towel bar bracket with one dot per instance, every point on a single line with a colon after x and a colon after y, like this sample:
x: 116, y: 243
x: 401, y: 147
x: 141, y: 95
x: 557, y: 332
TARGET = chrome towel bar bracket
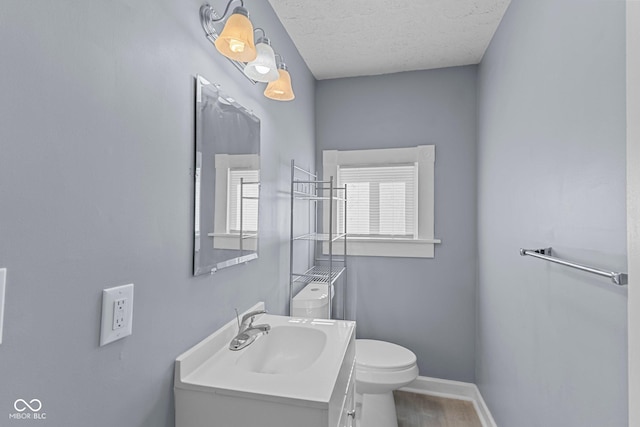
x: 542, y: 251
x: 619, y: 279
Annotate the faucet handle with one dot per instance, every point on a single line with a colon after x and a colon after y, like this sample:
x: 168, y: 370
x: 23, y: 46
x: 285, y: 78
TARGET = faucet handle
x: 251, y: 315
x: 237, y: 317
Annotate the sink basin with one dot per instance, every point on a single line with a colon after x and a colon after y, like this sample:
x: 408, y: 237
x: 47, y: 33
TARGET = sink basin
x: 298, y: 359
x: 285, y: 350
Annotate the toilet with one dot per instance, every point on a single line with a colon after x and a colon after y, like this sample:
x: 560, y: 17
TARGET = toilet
x: 381, y: 366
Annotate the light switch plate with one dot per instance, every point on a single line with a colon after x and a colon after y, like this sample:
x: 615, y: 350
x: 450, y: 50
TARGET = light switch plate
x: 117, y: 313
x: 3, y: 283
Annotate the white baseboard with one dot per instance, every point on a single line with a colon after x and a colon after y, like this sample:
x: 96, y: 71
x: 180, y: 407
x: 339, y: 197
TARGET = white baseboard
x: 454, y: 390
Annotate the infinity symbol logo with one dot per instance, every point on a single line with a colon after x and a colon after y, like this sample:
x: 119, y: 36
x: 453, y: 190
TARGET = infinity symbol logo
x: 21, y: 405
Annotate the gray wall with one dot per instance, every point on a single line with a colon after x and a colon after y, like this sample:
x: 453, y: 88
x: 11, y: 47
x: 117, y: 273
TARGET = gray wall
x: 633, y: 203
x: 427, y: 305
x: 552, y: 342
x: 96, y: 156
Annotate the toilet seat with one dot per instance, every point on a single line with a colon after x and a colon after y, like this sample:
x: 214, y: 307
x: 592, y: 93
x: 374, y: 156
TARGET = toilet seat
x: 373, y: 355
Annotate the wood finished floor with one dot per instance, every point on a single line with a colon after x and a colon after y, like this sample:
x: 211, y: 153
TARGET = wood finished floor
x: 419, y: 410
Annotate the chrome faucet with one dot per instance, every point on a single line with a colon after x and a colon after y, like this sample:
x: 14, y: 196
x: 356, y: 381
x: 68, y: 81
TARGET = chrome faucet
x: 247, y: 331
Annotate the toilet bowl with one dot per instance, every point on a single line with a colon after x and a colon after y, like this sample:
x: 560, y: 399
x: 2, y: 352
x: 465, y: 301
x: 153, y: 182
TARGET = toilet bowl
x: 381, y: 367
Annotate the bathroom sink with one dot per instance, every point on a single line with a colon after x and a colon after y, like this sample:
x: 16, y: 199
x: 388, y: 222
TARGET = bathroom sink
x: 303, y: 369
x: 285, y: 350
x: 299, y: 358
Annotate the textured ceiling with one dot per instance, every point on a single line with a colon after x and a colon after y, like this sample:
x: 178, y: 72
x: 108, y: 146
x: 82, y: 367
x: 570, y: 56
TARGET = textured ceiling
x: 345, y: 38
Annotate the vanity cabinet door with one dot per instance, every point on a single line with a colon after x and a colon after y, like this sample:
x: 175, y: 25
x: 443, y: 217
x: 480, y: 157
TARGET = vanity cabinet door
x: 348, y: 416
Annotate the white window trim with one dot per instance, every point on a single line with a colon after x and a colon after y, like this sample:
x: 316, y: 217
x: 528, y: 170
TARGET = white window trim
x: 222, y: 239
x: 420, y: 247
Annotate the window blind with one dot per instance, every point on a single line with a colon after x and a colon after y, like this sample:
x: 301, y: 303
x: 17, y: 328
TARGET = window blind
x: 381, y: 200
x: 249, y: 203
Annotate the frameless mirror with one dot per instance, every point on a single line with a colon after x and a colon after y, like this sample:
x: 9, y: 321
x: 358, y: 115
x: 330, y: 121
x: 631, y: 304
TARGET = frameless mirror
x: 227, y: 181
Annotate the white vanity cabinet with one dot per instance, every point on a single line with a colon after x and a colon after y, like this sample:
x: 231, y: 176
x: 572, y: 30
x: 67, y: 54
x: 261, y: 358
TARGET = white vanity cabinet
x: 301, y: 374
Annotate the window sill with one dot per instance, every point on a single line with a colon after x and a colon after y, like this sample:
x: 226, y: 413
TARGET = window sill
x: 374, y: 246
x: 232, y: 241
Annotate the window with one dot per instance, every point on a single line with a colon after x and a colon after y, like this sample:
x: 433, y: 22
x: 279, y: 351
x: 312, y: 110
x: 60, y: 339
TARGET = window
x: 381, y: 200
x: 243, y: 198
x: 389, y: 200
x: 231, y: 196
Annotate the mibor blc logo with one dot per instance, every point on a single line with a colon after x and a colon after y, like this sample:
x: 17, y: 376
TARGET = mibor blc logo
x: 28, y: 410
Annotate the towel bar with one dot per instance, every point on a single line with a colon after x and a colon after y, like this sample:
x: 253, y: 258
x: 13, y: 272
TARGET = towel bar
x: 619, y: 279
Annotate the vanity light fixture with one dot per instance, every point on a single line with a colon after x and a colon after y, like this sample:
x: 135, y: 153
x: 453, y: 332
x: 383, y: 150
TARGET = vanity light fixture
x: 280, y: 90
x: 236, y: 42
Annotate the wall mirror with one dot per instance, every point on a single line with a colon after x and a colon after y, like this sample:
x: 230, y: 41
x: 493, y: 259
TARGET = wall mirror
x: 227, y: 181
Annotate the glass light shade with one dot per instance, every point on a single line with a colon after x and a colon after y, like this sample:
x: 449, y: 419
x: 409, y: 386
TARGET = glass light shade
x: 281, y: 89
x: 263, y: 68
x: 236, y: 39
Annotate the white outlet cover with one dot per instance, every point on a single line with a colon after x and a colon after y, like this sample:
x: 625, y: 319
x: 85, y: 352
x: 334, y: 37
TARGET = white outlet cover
x: 3, y: 281
x: 109, y: 296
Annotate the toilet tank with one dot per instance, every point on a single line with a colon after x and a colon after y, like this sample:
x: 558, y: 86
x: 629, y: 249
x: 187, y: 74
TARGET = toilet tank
x: 312, y: 301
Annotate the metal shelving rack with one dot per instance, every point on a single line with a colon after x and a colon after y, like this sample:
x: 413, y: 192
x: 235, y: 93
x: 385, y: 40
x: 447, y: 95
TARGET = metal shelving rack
x: 327, y: 266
